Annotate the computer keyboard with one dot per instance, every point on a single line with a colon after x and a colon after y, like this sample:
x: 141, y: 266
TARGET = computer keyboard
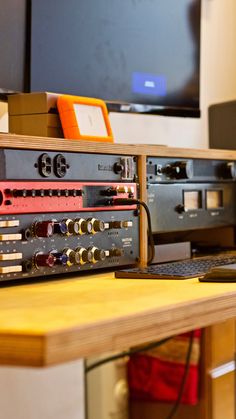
x: 186, y: 269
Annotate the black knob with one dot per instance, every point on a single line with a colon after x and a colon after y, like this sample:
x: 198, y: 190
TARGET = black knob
x: 24, y: 193
x: 48, y: 192
x: 99, y: 225
x: 180, y: 170
x: 230, y: 170
x: 115, y: 224
x: 65, y: 192
x: 60, y: 227
x: 115, y: 252
x: 18, y: 193
x: 118, y: 168
x: 21, y: 193
x: 40, y: 193
x: 180, y: 208
x: 73, y: 192
x: 109, y: 192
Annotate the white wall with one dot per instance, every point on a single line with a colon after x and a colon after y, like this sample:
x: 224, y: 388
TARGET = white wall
x: 51, y: 393
x: 57, y: 393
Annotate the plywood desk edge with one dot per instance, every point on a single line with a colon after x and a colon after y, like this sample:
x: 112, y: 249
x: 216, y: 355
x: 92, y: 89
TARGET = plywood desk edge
x: 59, y: 144
x: 114, y: 333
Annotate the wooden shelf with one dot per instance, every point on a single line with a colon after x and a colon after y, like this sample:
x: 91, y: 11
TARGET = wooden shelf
x: 45, y: 143
x: 61, y: 320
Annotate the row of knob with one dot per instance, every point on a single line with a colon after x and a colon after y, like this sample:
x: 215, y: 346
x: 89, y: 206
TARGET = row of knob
x: 68, y: 227
x: 184, y: 170
x: 65, y: 227
x: 75, y: 227
x: 79, y: 256
x: 26, y: 193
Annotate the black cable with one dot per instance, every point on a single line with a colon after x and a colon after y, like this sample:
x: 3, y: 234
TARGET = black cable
x: 146, y: 348
x: 185, y: 375
x: 130, y: 201
x: 125, y: 353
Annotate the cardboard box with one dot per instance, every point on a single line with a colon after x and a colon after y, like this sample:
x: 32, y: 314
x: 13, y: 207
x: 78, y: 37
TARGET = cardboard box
x: 34, y: 114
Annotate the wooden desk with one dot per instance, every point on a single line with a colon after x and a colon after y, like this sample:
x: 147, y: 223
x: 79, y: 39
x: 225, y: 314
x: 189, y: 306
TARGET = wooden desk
x: 43, y: 324
x: 53, y: 322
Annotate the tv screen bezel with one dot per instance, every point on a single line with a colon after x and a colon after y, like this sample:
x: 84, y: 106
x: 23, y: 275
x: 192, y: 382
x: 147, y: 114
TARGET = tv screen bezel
x: 127, y: 107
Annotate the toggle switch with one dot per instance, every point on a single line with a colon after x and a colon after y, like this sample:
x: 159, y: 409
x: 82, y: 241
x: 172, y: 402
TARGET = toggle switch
x: 10, y: 269
x: 10, y: 256
x: 10, y: 223
x: 10, y: 237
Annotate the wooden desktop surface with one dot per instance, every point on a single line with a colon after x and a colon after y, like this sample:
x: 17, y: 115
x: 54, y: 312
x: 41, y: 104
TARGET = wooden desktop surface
x: 46, y: 323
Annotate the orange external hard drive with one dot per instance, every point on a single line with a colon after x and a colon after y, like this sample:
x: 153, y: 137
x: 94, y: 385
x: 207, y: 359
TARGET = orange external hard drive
x: 84, y: 118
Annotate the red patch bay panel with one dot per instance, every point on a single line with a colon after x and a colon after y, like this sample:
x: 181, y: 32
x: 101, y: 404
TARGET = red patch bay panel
x: 22, y: 197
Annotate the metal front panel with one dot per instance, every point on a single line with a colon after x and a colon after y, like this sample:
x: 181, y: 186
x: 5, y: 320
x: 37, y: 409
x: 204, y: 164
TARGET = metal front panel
x: 50, y: 165
x: 203, y: 170
x: 126, y: 239
x: 168, y: 211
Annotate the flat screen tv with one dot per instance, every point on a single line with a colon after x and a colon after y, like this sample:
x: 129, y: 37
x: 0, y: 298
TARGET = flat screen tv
x: 137, y: 55
x: 13, y: 46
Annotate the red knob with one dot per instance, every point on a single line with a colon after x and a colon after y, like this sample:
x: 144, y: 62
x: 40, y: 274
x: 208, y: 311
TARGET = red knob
x: 45, y: 260
x: 44, y: 228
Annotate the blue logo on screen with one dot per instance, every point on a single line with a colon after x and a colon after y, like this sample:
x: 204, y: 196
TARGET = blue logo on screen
x: 149, y: 84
